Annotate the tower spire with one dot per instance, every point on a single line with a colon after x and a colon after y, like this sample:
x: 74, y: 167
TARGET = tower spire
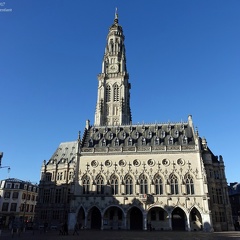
x: 113, y: 101
x: 116, y: 16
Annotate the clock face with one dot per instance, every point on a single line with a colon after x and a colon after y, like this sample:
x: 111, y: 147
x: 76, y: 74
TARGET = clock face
x: 113, y: 68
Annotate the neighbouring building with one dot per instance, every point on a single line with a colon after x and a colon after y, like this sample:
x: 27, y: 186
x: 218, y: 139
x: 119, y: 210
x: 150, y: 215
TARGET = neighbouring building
x: 122, y: 175
x: 234, y: 197
x: 17, y: 201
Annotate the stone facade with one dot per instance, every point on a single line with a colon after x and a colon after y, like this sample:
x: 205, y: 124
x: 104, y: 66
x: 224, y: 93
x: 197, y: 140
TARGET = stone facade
x: 133, y: 176
x: 17, y: 201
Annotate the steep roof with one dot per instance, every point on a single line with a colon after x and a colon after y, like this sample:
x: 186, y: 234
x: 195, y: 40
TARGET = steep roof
x: 139, y: 135
x: 66, y: 152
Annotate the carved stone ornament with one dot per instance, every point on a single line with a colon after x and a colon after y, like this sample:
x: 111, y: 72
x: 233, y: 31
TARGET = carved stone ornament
x: 151, y: 162
x: 136, y: 163
x: 94, y: 163
x: 165, y: 162
x: 122, y: 163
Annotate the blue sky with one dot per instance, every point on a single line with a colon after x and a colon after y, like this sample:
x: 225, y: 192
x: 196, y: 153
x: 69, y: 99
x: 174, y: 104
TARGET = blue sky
x: 183, y: 58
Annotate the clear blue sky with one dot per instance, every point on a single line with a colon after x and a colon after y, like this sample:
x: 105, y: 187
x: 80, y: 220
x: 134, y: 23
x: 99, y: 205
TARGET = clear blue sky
x: 183, y: 58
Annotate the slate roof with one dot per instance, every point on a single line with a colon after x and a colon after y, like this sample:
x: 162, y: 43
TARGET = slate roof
x: 65, y: 153
x: 138, y: 135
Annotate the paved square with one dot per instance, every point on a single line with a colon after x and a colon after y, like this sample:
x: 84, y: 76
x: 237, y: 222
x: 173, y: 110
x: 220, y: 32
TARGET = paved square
x: 123, y: 235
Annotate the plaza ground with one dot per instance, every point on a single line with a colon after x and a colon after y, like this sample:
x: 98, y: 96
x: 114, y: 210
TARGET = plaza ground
x: 122, y: 235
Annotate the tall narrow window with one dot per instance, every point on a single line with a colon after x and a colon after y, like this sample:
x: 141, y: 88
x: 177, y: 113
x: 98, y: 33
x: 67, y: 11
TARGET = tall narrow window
x: 174, y: 184
x: 158, y: 185
x: 100, y: 184
x: 128, y: 185
x: 143, y: 184
x: 189, y: 184
x: 108, y: 93
x: 86, y: 184
x: 114, y: 184
x: 116, y: 93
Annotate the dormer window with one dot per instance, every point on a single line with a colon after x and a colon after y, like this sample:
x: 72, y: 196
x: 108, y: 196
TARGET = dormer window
x: 185, y: 140
x: 162, y: 134
x: 129, y: 142
x: 116, y: 142
x: 104, y: 142
x: 149, y: 134
x: 90, y: 143
x: 143, y: 141
x: 176, y: 133
x: 170, y: 140
x: 157, y: 141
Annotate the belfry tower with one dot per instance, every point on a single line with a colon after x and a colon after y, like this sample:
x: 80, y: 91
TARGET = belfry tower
x: 113, y: 101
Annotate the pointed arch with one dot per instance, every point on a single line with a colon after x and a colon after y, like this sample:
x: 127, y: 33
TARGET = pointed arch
x: 100, y: 184
x: 158, y: 184
x: 188, y: 178
x: 115, y: 93
x: 108, y: 93
x: 95, y: 216
x: 143, y: 182
x: 114, y: 215
x: 174, y: 187
x: 135, y: 218
x: 128, y: 184
x: 178, y: 219
x: 86, y: 184
x: 195, y: 219
x: 114, y: 183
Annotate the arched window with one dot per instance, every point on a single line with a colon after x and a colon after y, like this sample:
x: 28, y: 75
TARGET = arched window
x: 174, y: 184
x: 143, y: 181
x: 189, y: 184
x: 100, y: 184
x: 158, y: 185
x: 128, y: 185
x: 157, y: 141
x: 116, y: 93
x: 108, y: 93
x: 114, y: 184
x: 86, y: 184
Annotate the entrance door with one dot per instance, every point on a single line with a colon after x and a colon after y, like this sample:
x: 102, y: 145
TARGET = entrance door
x: 95, y: 218
x: 178, y: 220
x: 136, y: 219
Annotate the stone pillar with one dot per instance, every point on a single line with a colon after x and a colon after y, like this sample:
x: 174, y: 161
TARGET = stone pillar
x: 122, y: 188
x: 85, y: 222
x: 125, y: 221
x: 188, y: 224
x: 101, y: 222
x: 170, y: 221
x: 145, y: 221
x: 137, y: 189
x: 71, y: 220
x: 207, y: 223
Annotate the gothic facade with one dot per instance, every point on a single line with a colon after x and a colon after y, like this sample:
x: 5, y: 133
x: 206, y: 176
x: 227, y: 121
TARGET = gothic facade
x: 121, y: 175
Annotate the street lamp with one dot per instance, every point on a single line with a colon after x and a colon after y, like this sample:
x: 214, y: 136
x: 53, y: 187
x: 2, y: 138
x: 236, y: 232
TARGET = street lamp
x: 1, y: 156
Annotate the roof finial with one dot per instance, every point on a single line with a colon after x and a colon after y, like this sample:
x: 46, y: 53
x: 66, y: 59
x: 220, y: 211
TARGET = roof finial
x: 116, y: 15
x: 79, y: 135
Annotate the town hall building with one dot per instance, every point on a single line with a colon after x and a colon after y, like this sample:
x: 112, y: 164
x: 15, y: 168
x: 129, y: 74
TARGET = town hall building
x: 121, y: 175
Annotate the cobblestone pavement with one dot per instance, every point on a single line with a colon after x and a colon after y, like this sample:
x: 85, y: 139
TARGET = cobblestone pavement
x: 122, y: 235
